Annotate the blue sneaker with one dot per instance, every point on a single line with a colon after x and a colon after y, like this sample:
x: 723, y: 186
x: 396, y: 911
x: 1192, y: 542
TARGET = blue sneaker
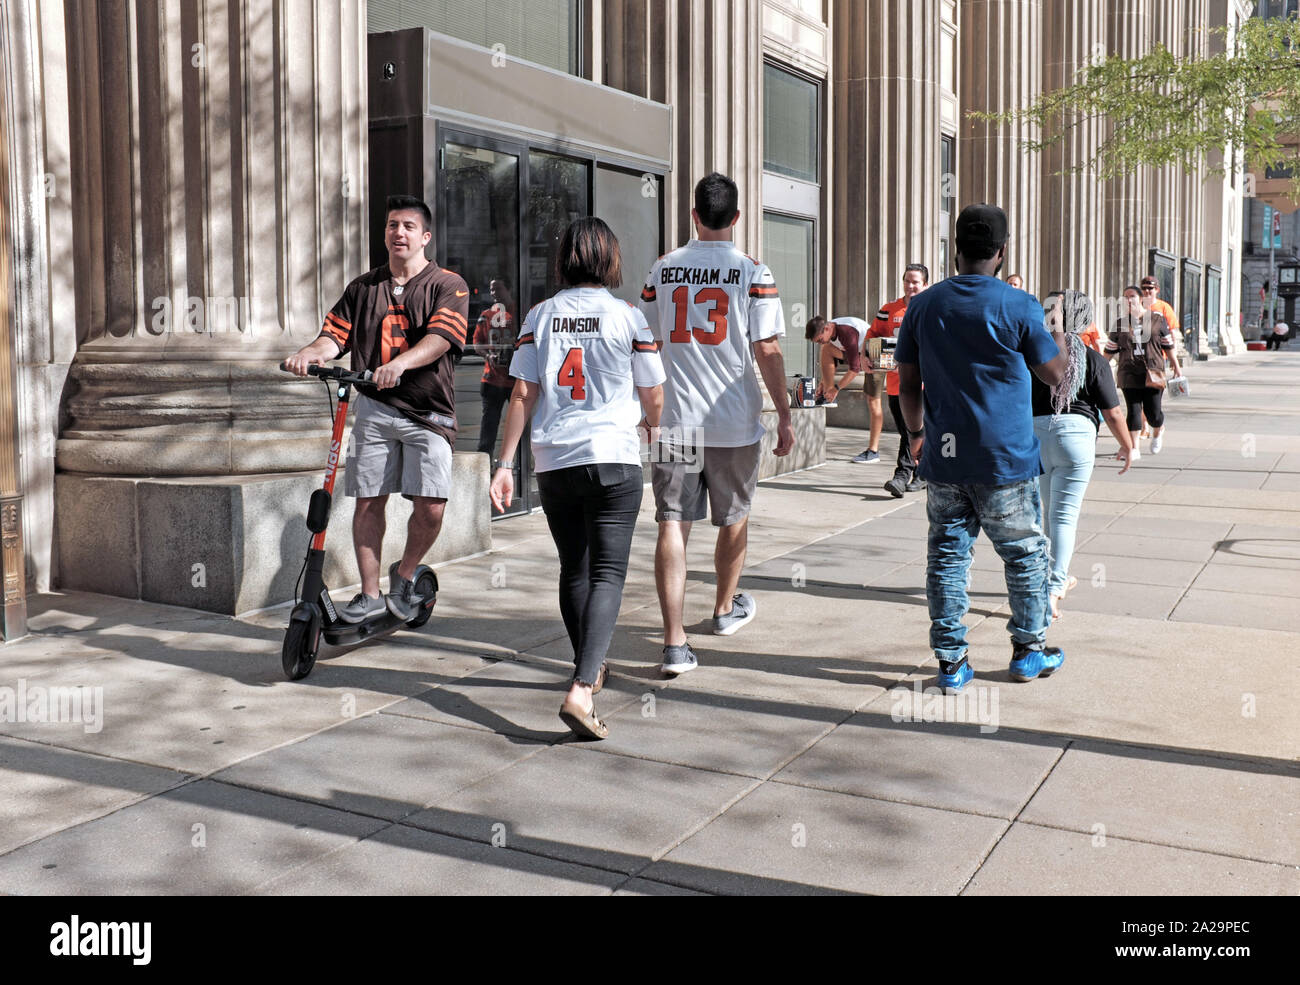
x: 1026, y: 665
x: 954, y: 683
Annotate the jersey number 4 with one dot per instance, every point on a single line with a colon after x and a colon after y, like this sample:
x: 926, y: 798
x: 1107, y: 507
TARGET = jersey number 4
x: 717, y: 315
x: 570, y: 374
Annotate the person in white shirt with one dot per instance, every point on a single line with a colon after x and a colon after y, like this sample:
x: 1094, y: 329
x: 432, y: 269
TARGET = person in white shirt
x: 716, y: 313
x: 586, y: 370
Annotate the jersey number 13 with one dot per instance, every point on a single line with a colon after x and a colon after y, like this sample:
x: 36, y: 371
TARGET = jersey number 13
x: 717, y: 315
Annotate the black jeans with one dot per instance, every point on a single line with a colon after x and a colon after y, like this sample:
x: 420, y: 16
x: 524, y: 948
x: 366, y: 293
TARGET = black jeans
x: 906, y: 466
x: 591, y: 510
x: 494, y: 398
x: 1276, y: 342
x: 1144, y: 400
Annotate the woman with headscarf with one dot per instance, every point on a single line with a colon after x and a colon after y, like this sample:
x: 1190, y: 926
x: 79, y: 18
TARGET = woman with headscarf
x: 1067, y: 418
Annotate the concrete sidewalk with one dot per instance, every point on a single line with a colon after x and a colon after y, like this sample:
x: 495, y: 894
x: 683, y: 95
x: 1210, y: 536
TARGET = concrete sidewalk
x: 1160, y: 760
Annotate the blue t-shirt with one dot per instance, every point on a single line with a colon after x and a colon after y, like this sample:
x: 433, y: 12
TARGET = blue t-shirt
x: 974, y: 339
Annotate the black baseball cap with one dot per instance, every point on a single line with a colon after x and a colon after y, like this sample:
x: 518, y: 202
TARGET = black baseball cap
x: 982, y: 225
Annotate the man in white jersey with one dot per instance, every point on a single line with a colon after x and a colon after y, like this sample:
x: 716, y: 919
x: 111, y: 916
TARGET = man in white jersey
x: 715, y: 312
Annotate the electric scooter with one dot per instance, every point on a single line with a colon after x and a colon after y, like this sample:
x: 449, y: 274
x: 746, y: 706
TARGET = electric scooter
x: 314, y: 615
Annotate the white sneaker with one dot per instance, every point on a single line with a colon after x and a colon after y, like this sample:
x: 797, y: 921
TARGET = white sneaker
x: 1135, y: 454
x: 1157, y: 443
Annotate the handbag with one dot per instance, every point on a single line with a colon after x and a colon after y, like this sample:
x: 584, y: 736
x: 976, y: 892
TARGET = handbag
x: 1155, y: 378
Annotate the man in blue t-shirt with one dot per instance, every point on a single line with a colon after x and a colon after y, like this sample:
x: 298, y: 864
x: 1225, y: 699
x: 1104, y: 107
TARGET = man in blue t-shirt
x: 973, y: 341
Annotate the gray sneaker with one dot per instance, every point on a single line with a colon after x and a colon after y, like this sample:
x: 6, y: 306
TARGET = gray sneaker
x: 742, y: 611
x: 402, y: 600
x: 361, y: 608
x: 868, y: 457
x: 678, y: 660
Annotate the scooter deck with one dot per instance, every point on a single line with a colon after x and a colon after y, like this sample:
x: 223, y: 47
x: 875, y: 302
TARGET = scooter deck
x: 347, y: 633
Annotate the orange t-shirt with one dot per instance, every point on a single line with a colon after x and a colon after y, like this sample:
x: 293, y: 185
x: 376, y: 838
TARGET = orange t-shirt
x: 1163, y: 308
x: 885, y: 326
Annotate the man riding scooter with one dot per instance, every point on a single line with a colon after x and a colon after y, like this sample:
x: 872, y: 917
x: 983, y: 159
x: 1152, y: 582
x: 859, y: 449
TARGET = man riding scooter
x: 406, y: 322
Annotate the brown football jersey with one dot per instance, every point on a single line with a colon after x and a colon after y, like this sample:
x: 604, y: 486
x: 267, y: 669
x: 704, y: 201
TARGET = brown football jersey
x: 376, y: 320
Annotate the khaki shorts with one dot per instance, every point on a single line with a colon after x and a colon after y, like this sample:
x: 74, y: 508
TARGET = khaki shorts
x: 726, y: 477
x: 873, y: 385
x: 390, y: 453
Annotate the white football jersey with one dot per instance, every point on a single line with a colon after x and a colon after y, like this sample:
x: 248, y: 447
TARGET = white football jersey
x: 706, y: 303
x: 858, y: 325
x: 587, y: 351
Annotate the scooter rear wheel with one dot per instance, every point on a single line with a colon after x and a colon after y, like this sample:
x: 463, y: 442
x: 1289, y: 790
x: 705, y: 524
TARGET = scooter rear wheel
x: 425, y: 586
x: 299, y: 653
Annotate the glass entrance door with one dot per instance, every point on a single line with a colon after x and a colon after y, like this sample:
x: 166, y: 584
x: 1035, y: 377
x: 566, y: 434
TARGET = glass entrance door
x: 479, y: 237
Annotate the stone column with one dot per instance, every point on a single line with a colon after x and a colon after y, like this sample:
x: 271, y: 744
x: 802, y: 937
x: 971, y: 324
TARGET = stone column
x: 218, y: 176
x: 705, y: 59
x: 885, y: 155
x: 1071, y: 232
x: 1129, y: 27
x: 1001, y: 68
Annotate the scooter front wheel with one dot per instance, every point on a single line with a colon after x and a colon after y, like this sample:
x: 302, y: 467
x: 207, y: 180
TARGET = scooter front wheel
x: 299, y: 653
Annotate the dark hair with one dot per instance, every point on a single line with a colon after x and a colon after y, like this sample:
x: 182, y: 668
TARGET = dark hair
x: 717, y: 200
x: 1134, y: 288
x: 978, y: 249
x: 815, y: 324
x: 589, y: 254
x: 403, y: 203
x: 925, y: 271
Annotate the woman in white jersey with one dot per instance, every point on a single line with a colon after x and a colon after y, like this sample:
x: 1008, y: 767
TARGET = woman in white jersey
x: 586, y: 370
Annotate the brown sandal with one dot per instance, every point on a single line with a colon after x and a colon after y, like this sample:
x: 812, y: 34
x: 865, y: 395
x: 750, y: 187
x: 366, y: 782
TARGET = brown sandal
x: 600, y: 678
x: 583, y: 723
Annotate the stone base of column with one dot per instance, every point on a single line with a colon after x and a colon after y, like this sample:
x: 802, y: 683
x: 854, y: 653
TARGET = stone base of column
x: 233, y: 544
x: 186, y: 405
x: 809, y: 442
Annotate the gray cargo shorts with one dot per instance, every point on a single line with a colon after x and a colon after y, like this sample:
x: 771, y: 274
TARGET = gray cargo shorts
x: 390, y: 453
x: 725, y: 477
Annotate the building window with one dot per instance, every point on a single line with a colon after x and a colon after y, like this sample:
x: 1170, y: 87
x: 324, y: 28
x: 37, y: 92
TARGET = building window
x: 947, y: 196
x: 788, y: 251
x: 1277, y: 8
x: 544, y: 32
x: 791, y: 124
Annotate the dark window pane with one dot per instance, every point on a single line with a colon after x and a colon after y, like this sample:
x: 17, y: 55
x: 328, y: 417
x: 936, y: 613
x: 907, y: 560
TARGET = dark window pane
x: 790, y: 124
x: 947, y: 174
x: 557, y: 195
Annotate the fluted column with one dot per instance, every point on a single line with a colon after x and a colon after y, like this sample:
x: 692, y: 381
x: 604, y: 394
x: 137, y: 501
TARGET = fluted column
x: 886, y: 79
x: 1001, y: 69
x: 1072, y: 233
x: 1129, y: 31
x: 1172, y: 214
x: 219, y: 162
x: 705, y: 58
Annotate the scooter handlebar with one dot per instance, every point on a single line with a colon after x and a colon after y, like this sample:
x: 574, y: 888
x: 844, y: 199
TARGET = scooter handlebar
x: 335, y: 373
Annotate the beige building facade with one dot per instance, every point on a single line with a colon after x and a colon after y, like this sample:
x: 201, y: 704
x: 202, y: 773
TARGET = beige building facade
x: 189, y: 185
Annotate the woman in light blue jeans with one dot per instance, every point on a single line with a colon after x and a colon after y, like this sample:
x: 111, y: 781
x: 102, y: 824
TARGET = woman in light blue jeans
x: 1067, y: 418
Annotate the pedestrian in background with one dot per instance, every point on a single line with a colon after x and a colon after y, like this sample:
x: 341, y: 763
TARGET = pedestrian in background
x: 1067, y: 418
x: 1141, y: 343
